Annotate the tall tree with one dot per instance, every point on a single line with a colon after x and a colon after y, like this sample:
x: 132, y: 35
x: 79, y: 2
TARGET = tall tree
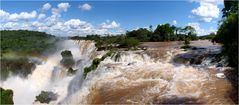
x: 164, y: 31
x: 190, y: 32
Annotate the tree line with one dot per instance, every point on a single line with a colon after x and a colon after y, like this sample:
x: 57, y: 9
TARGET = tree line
x: 164, y: 32
x: 131, y: 39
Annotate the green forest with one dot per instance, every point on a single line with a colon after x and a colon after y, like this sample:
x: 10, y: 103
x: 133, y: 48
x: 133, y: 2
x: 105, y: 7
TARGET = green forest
x: 24, y: 42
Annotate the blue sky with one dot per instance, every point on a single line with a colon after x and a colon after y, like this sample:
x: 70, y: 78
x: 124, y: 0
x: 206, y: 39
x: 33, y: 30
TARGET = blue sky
x: 108, y: 17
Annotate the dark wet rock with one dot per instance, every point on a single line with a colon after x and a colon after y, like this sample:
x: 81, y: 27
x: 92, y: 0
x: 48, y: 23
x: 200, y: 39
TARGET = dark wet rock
x: 71, y: 71
x: 19, y: 66
x: 198, y: 59
x: 79, y: 62
x: 183, y: 59
x: 219, y: 65
x: 117, y: 57
x: 196, y: 56
x: 190, y: 59
x: 46, y: 97
x: 67, y: 59
x: 198, y: 48
x: 131, y: 63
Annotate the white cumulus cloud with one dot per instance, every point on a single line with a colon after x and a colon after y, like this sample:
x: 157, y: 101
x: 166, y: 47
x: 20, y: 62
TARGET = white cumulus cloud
x: 54, y: 24
x: 63, y: 6
x: 76, y: 23
x: 46, y: 7
x: 109, y: 25
x: 6, y: 17
x: 85, y: 7
x: 41, y: 16
x: 207, y: 10
x: 60, y: 7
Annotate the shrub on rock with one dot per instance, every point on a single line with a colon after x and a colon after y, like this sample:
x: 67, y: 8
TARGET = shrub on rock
x: 67, y: 59
x: 6, y: 97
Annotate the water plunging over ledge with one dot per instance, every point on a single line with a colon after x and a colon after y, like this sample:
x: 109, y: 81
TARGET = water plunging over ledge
x: 132, y: 77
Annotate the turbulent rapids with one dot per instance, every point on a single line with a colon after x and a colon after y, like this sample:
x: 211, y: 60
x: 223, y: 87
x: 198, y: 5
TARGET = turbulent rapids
x: 127, y: 77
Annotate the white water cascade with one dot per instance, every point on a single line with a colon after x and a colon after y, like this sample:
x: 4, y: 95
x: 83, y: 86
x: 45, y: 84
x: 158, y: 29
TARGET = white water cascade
x: 128, y: 77
x: 135, y: 78
x: 50, y: 75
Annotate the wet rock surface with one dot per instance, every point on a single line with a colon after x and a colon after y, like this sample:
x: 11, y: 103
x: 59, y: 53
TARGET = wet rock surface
x: 20, y: 66
x: 197, y: 54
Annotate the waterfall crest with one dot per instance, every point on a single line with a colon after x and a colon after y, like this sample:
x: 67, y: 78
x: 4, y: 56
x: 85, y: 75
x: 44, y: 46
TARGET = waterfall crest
x: 132, y: 77
x: 128, y: 77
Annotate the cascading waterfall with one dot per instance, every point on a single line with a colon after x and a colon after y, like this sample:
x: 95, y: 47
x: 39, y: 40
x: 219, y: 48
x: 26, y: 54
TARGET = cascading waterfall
x: 135, y: 78
x: 128, y: 77
x: 50, y: 75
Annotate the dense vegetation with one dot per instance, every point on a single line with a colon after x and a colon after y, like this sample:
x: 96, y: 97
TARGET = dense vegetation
x: 17, y: 46
x: 228, y: 35
x: 25, y: 42
x: 67, y: 59
x: 6, y: 96
x: 110, y: 42
x: 46, y: 97
x: 228, y: 32
x: 165, y: 32
x: 132, y: 39
x: 96, y: 62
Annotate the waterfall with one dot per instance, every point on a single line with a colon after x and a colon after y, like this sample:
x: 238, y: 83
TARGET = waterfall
x: 128, y: 77
x: 50, y: 75
x: 135, y: 78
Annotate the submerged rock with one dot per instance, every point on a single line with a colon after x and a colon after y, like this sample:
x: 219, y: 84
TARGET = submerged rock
x: 71, y: 71
x: 197, y: 56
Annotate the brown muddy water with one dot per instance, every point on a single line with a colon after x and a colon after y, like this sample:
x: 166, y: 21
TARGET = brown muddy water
x: 129, y: 77
x: 150, y: 77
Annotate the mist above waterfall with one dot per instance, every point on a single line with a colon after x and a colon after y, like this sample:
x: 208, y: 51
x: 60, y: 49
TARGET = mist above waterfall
x: 49, y: 75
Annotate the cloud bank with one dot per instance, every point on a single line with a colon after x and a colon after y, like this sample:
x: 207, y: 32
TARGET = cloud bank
x: 54, y: 24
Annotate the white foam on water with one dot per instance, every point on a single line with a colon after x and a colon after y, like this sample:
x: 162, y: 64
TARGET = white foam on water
x: 131, y: 77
